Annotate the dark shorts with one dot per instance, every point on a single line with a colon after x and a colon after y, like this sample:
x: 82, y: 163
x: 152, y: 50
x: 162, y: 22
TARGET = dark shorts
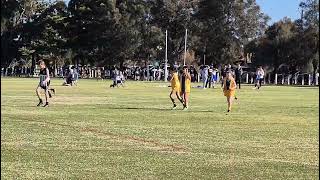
x: 45, y: 87
x: 69, y: 80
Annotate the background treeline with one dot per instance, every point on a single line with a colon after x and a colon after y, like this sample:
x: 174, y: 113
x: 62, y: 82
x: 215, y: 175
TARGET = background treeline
x: 110, y: 32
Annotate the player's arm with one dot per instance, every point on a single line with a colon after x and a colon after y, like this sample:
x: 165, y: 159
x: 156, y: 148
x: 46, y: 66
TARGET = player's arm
x: 233, y: 85
x: 223, y: 84
x: 188, y: 76
x: 48, y: 76
x: 172, y: 77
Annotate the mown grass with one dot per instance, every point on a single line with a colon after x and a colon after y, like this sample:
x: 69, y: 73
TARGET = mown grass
x: 94, y: 132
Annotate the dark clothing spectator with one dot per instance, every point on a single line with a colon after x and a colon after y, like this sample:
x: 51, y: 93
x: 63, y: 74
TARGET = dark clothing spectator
x: 238, y: 73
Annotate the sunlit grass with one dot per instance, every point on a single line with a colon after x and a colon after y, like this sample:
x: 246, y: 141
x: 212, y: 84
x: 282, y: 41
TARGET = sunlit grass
x: 94, y: 132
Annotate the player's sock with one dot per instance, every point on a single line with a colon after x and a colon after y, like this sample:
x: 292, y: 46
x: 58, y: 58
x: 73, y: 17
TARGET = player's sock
x: 181, y: 100
x: 50, y: 96
x: 47, y: 104
x: 53, y: 90
x: 40, y: 102
x: 174, y: 106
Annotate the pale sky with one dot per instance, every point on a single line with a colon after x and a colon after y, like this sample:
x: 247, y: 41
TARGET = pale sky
x: 278, y: 9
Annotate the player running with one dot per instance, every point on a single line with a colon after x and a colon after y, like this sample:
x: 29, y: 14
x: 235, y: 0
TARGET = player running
x: 175, y: 85
x: 229, y: 89
x: 44, y: 83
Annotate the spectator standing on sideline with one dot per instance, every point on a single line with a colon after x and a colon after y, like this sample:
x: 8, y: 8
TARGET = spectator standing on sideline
x: 259, y: 78
x: 209, y: 80
x: 223, y: 73
x: 214, y: 76
x: 204, y: 75
x: 238, y: 73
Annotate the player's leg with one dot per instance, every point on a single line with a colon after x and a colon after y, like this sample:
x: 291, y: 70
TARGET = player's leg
x: 229, y: 100
x: 256, y: 84
x: 238, y: 82
x: 205, y: 82
x: 260, y: 83
x: 46, y: 96
x: 38, y: 94
x: 221, y: 79
x: 53, y: 90
x: 50, y: 89
x: 183, y: 98
x: 179, y: 97
x: 186, y: 100
x: 213, y: 81
x: 206, y: 86
x: 172, y: 99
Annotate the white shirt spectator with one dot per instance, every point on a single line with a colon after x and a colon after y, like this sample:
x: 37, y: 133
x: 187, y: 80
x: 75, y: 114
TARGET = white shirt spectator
x: 204, y: 72
x: 260, y: 73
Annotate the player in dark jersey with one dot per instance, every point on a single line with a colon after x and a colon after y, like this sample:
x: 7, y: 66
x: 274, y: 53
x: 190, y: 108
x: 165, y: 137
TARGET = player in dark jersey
x: 44, y: 83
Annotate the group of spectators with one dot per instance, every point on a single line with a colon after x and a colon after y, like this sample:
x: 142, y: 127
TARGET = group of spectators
x: 210, y: 75
x: 132, y: 73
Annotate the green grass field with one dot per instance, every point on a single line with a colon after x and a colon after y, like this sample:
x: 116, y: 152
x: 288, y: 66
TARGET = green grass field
x: 94, y: 132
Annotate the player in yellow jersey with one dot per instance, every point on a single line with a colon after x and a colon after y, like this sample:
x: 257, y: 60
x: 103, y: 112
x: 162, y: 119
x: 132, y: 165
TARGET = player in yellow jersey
x: 175, y: 85
x: 229, y: 89
x: 185, y: 86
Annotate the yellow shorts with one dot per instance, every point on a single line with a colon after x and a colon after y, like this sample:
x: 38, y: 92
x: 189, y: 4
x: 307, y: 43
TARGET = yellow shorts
x: 176, y: 89
x: 186, y: 93
x: 229, y: 93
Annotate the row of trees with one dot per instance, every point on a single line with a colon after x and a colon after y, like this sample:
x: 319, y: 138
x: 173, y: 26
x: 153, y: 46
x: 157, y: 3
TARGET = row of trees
x: 295, y: 44
x: 107, y: 32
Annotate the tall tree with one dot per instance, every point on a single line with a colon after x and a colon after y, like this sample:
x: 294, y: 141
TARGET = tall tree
x: 228, y: 26
x: 310, y: 12
x: 15, y: 14
x: 175, y: 16
x: 285, y: 42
